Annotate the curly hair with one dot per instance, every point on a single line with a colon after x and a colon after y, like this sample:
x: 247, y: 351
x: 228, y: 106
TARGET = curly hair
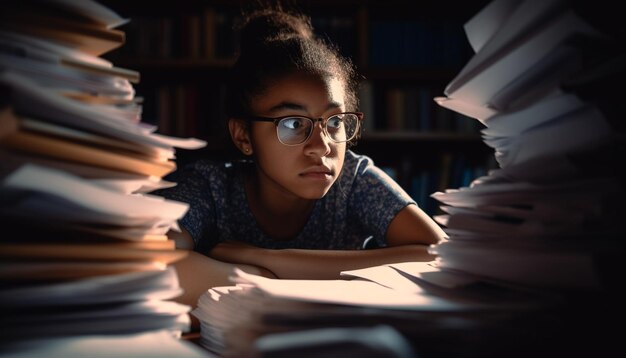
x: 275, y: 43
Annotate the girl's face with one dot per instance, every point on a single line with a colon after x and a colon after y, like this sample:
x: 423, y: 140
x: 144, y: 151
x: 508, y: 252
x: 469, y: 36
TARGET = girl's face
x: 307, y: 170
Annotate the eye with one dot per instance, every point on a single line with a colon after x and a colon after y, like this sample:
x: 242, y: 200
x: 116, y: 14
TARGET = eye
x: 335, y: 122
x: 292, y: 123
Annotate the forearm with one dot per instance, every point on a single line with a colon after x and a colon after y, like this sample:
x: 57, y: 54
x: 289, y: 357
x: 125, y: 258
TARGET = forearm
x: 197, y: 273
x: 321, y: 264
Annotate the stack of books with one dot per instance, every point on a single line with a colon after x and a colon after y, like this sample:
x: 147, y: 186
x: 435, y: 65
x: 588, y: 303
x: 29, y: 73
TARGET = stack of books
x: 84, y: 250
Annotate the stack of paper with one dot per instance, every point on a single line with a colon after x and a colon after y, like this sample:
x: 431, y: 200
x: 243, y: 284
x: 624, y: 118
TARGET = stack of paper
x: 399, y: 295
x: 547, y: 217
x: 84, y: 249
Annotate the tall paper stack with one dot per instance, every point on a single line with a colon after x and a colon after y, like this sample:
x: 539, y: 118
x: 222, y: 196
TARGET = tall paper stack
x: 84, y: 250
x: 545, y: 217
x: 546, y: 82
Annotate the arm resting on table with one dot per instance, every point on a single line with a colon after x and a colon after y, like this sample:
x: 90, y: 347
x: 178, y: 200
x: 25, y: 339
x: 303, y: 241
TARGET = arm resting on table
x: 408, y: 237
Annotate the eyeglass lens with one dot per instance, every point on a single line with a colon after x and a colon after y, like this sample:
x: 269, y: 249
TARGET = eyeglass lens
x: 296, y: 130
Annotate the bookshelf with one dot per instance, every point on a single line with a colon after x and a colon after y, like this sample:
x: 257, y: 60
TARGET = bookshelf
x: 405, y: 52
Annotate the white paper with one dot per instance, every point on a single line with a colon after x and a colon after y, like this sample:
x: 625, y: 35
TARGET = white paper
x: 92, y: 10
x: 554, y: 269
x: 133, y: 186
x: 480, y: 112
x: 386, y: 276
x: 522, y: 60
x: 82, y: 193
x: 431, y: 273
x: 160, y: 154
x: 135, y: 286
x: 72, y: 269
x: 35, y: 101
x: 353, y: 292
x: 57, y: 78
x: 524, y: 22
x: 488, y: 22
x: 542, y: 111
x: 584, y: 127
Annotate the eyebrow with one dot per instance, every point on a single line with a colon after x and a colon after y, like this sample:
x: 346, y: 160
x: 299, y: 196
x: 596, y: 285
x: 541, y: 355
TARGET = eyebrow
x: 300, y: 107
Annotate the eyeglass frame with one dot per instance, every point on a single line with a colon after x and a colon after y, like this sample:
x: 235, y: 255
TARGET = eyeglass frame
x: 276, y: 120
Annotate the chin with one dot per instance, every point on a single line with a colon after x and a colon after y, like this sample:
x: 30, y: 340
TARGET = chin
x: 313, y: 194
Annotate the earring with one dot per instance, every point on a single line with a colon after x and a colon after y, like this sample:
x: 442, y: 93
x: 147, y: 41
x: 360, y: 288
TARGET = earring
x: 247, y: 150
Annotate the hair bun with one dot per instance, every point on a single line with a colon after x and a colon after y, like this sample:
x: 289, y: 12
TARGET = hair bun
x: 269, y: 25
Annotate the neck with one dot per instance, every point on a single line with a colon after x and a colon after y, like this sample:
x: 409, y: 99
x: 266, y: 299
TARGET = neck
x: 279, y: 214
x: 274, y: 200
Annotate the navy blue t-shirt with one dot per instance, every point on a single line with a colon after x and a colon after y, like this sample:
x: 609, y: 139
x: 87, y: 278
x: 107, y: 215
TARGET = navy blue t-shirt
x: 361, y: 203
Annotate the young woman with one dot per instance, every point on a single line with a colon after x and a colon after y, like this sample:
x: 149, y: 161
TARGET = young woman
x: 303, y: 204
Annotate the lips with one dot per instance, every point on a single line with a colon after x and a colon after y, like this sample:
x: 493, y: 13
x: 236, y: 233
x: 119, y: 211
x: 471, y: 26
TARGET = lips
x: 317, y: 171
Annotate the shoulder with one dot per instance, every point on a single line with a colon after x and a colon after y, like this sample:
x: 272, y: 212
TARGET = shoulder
x: 365, y: 176
x: 207, y: 167
x: 209, y: 170
x: 357, y: 164
x: 199, y: 178
x: 359, y: 167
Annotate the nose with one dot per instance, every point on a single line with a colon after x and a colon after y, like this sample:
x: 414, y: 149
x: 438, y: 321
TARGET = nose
x: 319, y: 143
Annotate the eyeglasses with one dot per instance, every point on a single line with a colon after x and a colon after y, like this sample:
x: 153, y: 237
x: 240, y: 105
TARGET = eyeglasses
x: 295, y: 130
